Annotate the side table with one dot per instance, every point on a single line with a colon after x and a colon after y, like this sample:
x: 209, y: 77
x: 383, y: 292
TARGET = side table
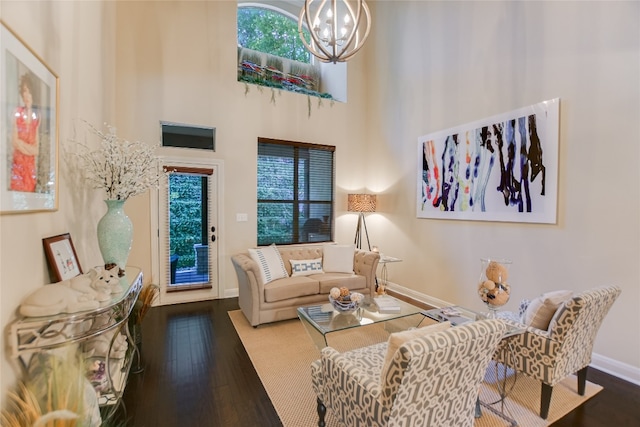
x: 384, y: 274
x: 460, y: 315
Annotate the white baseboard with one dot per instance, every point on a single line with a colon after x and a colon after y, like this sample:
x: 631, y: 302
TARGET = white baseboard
x: 606, y: 364
x: 230, y: 293
x: 616, y: 368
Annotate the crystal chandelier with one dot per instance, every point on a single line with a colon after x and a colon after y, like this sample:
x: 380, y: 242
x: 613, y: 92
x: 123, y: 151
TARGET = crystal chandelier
x: 338, y: 28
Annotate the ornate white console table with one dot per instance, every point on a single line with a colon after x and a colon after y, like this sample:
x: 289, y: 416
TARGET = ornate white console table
x: 30, y: 335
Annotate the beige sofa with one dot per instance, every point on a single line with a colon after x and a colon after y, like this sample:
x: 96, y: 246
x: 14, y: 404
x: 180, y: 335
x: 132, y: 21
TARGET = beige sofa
x: 280, y: 298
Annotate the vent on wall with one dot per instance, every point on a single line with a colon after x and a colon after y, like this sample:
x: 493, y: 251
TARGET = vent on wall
x: 188, y: 136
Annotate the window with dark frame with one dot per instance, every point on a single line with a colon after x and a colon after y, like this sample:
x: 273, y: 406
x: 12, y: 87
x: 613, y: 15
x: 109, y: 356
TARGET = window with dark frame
x: 295, y: 192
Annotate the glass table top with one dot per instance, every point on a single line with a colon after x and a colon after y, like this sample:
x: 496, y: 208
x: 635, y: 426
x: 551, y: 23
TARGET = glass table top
x: 459, y: 315
x: 325, y: 319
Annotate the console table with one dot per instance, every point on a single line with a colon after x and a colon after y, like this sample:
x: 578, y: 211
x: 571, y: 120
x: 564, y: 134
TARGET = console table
x: 30, y: 335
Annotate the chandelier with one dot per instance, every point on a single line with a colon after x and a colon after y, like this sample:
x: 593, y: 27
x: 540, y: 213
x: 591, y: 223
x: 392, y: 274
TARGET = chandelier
x: 338, y: 28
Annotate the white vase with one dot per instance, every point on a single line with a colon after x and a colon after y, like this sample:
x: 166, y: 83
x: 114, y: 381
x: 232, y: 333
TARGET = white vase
x: 115, y: 234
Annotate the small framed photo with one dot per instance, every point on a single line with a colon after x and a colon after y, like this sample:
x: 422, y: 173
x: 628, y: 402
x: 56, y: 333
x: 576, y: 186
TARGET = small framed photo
x: 62, y: 257
x: 28, y: 128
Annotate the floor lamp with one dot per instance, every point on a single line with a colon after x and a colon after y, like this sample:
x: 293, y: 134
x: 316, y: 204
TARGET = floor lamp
x: 361, y: 203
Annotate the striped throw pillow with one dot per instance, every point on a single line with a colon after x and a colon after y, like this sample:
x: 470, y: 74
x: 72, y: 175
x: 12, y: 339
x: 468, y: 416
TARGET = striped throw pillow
x: 270, y: 262
x: 541, y: 310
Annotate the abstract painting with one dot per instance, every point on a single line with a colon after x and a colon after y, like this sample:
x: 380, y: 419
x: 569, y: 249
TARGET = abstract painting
x: 503, y: 168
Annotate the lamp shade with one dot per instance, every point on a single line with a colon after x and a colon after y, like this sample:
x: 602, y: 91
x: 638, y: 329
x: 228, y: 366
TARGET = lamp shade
x: 361, y: 203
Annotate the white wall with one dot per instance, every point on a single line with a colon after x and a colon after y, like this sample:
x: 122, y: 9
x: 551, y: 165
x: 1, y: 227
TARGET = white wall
x: 427, y: 66
x: 442, y: 64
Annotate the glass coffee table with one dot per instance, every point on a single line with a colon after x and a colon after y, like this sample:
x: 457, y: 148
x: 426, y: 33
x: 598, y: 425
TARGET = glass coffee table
x: 322, y: 320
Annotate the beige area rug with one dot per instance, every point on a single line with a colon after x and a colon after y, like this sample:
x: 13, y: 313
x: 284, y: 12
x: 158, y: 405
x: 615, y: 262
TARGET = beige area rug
x: 282, y: 353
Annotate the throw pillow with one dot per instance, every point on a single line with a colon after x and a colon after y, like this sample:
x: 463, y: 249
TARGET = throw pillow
x: 397, y: 339
x: 270, y: 262
x: 541, y: 309
x: 338, y: 258
x: 305, y: 267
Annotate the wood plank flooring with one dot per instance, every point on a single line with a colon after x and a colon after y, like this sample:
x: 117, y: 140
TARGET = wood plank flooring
x: 197, y: 373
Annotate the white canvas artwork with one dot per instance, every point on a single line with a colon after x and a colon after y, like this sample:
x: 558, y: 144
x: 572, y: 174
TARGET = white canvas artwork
x: 502, y: 168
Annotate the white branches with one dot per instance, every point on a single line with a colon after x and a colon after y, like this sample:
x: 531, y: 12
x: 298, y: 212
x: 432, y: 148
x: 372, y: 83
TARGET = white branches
x: 121, y: 168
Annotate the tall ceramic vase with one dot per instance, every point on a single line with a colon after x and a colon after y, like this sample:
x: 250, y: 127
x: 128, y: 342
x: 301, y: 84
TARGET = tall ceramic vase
x: 115, y: 234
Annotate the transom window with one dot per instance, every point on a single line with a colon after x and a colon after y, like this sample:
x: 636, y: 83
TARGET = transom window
x: 295, y: 192
x: 266, y: 30
x: 271, y: 54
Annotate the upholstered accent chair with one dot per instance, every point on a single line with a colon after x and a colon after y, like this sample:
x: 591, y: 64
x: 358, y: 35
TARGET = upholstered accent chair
x: 565, y: 347
x: 431, y: 380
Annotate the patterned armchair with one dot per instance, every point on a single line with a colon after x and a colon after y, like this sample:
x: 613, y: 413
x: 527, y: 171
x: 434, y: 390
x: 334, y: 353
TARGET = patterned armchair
x: 565, y: 347
x: 432, y: 380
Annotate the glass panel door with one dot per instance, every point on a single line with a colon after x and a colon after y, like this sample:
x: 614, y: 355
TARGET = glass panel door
x: 188, y: 224
x: 187, y: 235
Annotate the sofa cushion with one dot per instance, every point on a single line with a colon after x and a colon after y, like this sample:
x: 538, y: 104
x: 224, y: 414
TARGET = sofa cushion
x: 305, y: 267
x: 270, y: 263
x: 338, y: 258
x: 541, y: 309
x: 339, y: 280
x: 397, y: 339
x: 290, y: 287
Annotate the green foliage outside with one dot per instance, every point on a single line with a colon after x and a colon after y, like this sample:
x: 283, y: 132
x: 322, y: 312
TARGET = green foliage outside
x: 185, y: 214
x: 271, y: 32
x: 275, y: 182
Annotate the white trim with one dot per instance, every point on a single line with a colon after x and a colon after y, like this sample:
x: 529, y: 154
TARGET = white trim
x: 613, y: 367
x: 231, y: 293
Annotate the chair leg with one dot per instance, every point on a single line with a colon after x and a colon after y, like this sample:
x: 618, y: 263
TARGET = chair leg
x: 582, y: 380
x: 322, y: 411
x: 545, y: 400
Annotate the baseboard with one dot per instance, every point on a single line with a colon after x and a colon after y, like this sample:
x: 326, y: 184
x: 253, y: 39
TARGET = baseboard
x: 618, y: 369
x: 605, y: 364
x: 231, y: 293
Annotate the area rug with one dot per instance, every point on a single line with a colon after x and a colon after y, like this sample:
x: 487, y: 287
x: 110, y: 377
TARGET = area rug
x: 282, y: 353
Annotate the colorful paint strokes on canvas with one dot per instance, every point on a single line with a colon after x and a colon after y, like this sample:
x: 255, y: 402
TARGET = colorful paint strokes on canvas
x: 503, y: 168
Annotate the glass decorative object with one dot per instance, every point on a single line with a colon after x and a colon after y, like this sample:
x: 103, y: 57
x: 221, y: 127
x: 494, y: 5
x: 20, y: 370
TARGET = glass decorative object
x: 493, y: 287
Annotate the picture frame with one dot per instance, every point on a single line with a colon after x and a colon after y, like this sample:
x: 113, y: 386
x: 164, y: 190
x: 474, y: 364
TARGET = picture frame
x: 29, y: 128
x: 62, y: 257
x: 502, y: 168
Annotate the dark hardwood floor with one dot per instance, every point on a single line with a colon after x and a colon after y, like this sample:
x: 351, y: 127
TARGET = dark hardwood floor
x: 197, y: 373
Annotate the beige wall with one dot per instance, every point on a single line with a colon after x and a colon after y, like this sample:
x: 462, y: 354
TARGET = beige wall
x: 442, y: 64
x: 428, y: 66
x: 75, y: 40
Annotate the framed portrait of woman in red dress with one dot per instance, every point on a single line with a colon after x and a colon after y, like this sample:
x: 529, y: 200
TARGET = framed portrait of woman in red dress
x: 29, y: 129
